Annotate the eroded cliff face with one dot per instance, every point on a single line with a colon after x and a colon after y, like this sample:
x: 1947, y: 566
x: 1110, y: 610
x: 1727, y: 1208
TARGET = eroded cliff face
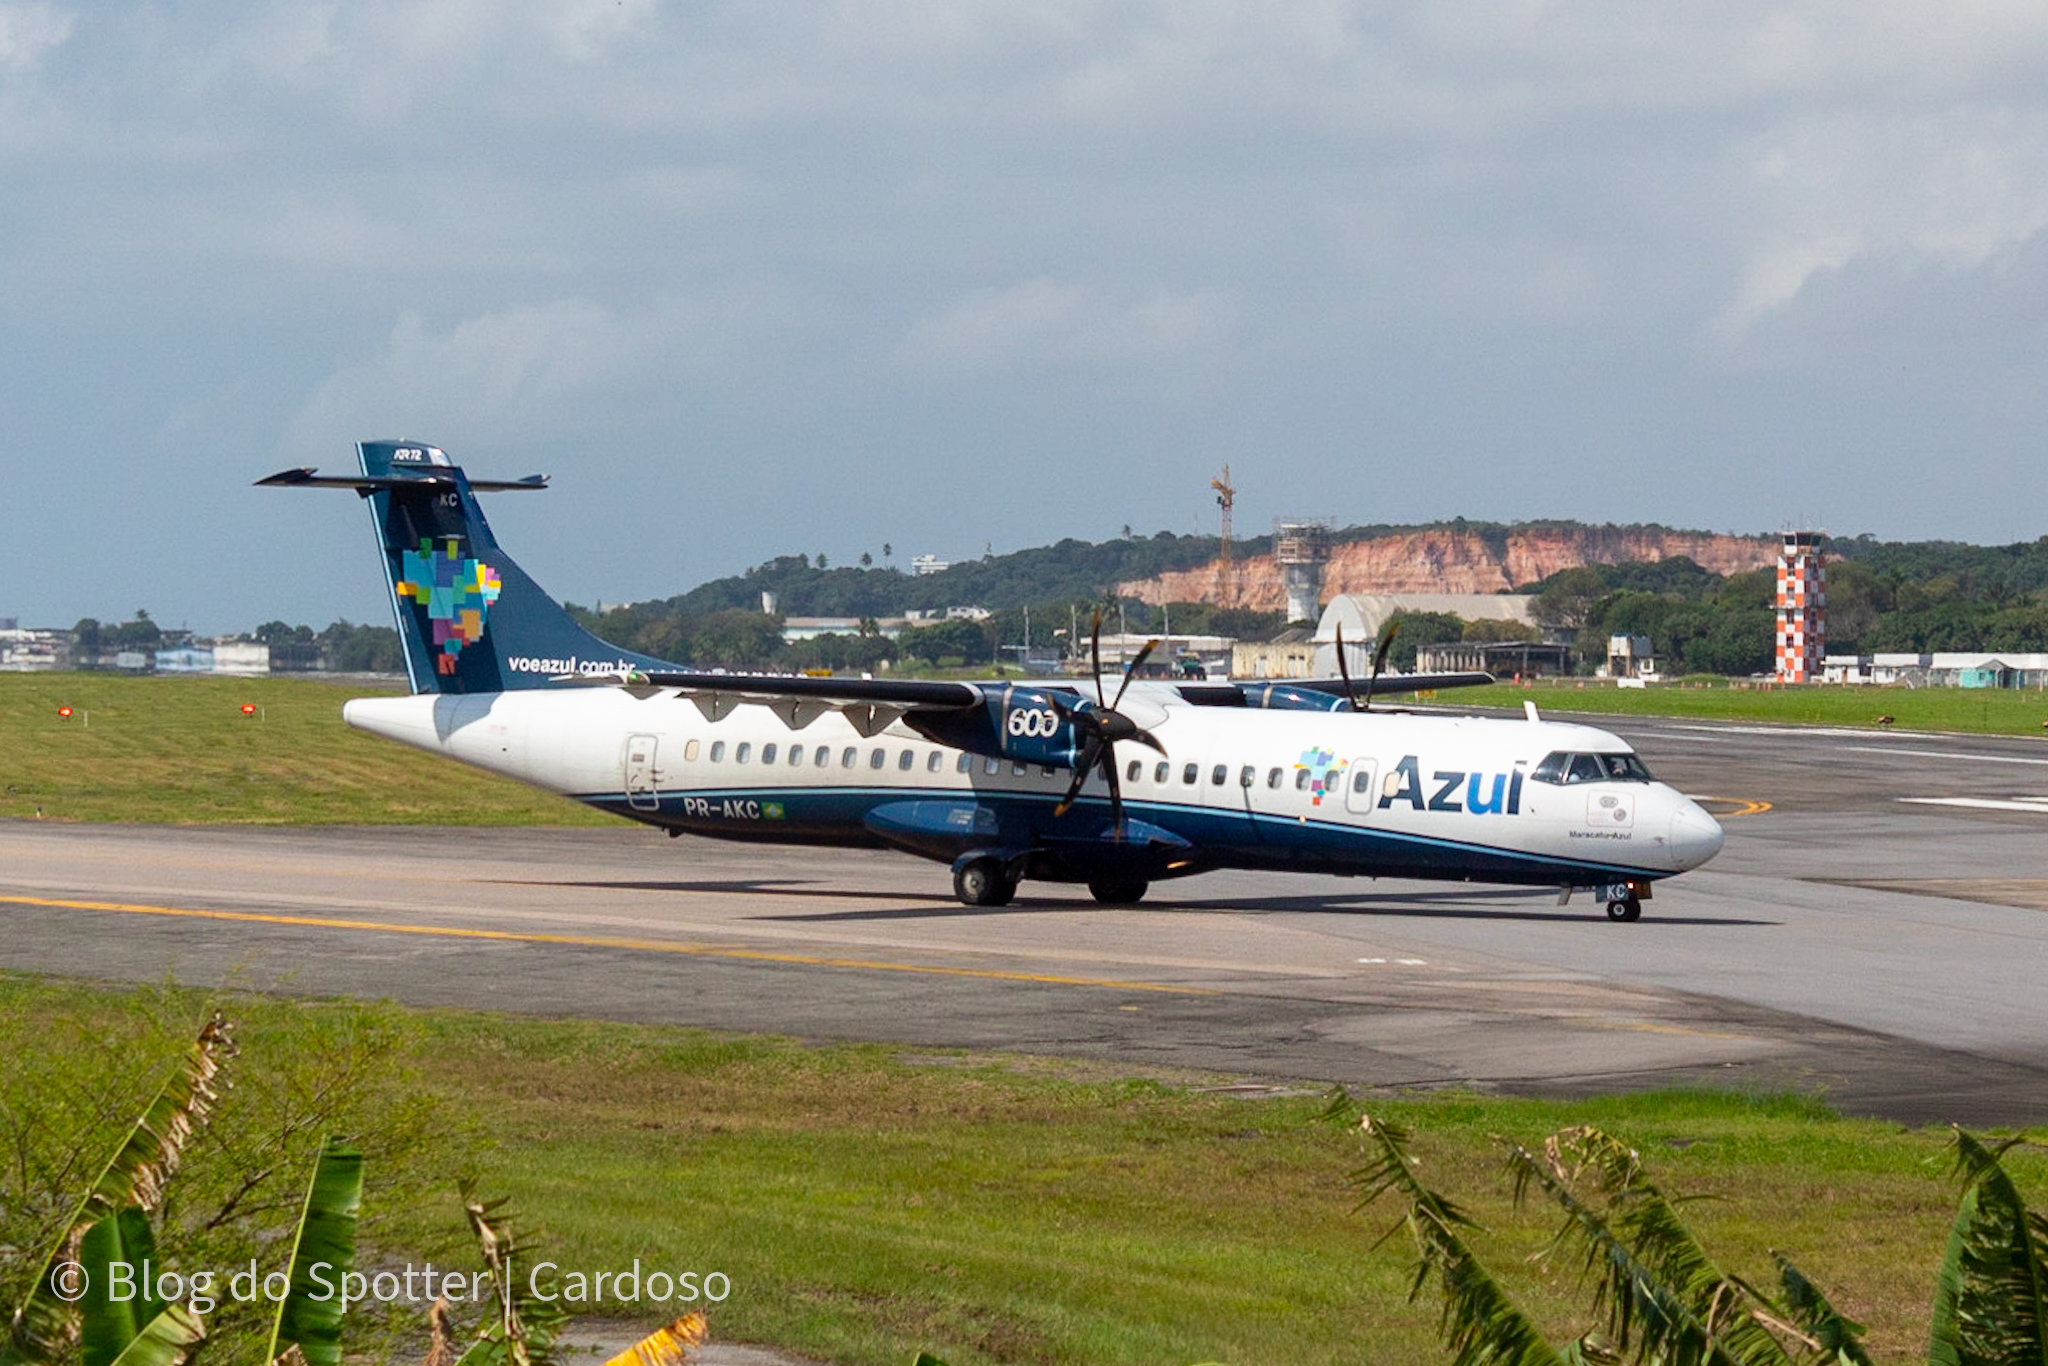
x: 1446, y: 560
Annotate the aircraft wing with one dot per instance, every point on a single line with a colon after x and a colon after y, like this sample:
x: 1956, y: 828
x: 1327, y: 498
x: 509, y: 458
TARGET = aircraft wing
x: 1249, y: 692
x: 870, y: 704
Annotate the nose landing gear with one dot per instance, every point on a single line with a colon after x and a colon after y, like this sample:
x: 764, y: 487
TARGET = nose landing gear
x: 1625, y: 900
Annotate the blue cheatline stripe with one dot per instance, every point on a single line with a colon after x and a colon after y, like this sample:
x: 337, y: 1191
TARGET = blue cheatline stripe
x: 1350, y: 835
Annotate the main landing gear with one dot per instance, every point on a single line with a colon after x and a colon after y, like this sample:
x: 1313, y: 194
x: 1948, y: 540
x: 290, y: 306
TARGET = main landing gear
x: 984, y: 882
x: 1118, y: 891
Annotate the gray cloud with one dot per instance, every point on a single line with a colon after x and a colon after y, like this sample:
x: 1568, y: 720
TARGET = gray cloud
x: 754, y: 279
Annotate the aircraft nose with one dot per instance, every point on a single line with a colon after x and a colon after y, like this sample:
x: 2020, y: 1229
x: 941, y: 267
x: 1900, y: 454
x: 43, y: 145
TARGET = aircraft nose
x: 1695, y: 836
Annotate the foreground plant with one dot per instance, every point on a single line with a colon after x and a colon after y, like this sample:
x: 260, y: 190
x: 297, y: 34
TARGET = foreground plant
x: 1662, y: 1299
x: 74, y: 1303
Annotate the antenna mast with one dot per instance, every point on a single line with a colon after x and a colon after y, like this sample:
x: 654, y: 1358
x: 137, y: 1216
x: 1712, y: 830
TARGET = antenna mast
x: 1226, y: 498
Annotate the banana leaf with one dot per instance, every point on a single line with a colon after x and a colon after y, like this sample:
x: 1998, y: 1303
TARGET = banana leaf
x: 46, y: 1325
x: 1991, y: 1298
x: 107, y: 1324
x: 167, y: 1340
x: 326, y: 1236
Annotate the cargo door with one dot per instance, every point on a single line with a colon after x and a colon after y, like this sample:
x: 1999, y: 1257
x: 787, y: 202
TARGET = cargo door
x: 641, y: 775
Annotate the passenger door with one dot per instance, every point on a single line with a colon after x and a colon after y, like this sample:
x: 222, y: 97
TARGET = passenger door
x: 641, y: 775
x: 1361, y: 790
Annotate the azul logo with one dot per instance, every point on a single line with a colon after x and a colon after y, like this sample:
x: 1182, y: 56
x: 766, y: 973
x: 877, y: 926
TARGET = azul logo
x: 1325, y: 772
x: 1481, y: 794
x: 457, y: 593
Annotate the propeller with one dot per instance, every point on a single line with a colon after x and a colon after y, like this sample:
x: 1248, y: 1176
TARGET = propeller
x: 1099, y: 728
x: 1379, y: 662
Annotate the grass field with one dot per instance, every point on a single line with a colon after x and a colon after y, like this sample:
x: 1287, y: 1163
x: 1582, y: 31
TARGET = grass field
x: 866, y: 1200
x: 179, y: 751
x: 1982, y: 710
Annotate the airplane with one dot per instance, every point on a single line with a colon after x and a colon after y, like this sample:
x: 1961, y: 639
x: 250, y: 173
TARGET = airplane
x: 1070, y: 780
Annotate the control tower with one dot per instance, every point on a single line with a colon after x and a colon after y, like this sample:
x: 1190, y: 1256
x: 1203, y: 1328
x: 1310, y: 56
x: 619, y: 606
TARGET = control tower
x: 1802, y: 608
x: 1301, y: 548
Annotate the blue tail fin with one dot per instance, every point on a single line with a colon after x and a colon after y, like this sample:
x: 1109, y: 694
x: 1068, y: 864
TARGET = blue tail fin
x: 470, y: 618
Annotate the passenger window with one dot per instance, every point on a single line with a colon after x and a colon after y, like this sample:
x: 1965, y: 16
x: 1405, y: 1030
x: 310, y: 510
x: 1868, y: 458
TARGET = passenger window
x: 991, y: 766
x: 739, y: 756
x: 936, y: 762
x: 796, y: 756
x: 823, y: 757
x: 906, y: 761
x: 767, y: 754
x: 1133, y: 769
x: 877, y: 757
x: 690, y: 752
x: 1017, y: 768
x: 848, y: 755
x: 1047, y: 771
x: 1272, y: 777
x: 1301, y: 780
x: 1218, y: 774
x: 1189, y: 772
x: 1585, y: 769
x: 718, y: 751
x: 1359, y: 780
x: 965, y: 763
x: 1245, y: 775
x: 1160, y: 771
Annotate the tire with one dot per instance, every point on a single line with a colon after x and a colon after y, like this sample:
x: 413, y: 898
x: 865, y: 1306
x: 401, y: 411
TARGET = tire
x: 981, y: 883
x: 1628, y: 908
x: 1118, y: 891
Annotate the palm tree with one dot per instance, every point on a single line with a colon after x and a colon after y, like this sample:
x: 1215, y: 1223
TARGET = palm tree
x: 1664, y: 1300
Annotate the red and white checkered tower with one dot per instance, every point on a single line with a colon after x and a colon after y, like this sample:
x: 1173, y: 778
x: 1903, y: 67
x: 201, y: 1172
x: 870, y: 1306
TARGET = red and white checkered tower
x: 1802, y: 608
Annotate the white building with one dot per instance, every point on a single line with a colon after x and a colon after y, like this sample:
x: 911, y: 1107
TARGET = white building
x: 1362, y: 615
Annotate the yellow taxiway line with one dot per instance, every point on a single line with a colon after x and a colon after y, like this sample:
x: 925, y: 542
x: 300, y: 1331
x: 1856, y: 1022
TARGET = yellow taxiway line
x: 597, y: 942
x: 1743, y: 806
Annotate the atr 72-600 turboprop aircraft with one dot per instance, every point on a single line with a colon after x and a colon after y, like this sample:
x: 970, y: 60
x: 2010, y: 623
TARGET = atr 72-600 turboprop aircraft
x: 1059, y: 781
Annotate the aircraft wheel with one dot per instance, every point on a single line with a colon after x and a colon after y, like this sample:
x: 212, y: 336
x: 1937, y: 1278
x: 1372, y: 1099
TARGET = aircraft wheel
x: 981, y: 883
x: 1628, y: 908
x: 1118, y: 891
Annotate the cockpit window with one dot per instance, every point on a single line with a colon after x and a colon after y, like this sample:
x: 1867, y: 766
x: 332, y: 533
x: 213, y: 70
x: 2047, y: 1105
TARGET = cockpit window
x: 1590, y: 768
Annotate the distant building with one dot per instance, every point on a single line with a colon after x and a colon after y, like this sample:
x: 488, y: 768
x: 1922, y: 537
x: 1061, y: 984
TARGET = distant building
x: 183, y: 659
x: 242, y: 658
x: 1362, y: 615
x: 810, y: 628
x: 929, y: 564
x: 1942, y: 669
x: 1630, y: 657
x: 1501, y: 658
x: 32, y: 651
x: 1291, y: 654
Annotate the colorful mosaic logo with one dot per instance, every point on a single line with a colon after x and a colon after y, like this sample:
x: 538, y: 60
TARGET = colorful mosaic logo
x: 456, y: 592
x: 1325, y: 772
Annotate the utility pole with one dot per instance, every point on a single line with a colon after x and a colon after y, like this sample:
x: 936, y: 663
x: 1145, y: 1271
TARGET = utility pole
x: 1226, y: 498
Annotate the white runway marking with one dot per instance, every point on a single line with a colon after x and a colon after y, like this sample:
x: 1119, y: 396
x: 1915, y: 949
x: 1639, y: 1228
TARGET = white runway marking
x: 1943, y: 754
x: 2037, y: 805
x: 1404, y: 962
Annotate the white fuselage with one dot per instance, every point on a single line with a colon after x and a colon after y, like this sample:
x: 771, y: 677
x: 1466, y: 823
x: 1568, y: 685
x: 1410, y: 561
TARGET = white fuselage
x: 1375, y: 793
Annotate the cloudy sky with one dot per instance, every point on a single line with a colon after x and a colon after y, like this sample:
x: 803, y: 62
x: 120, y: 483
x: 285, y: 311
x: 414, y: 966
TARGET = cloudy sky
x: 752, y: 279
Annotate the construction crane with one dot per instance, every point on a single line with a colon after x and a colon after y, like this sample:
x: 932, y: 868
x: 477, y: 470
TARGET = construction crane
x: 1226, y: 498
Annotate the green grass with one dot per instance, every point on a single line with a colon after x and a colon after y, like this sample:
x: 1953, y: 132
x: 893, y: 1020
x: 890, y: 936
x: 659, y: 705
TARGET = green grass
x: 1981, y: 710
x: 179, y: 751
x: 866, y: 1200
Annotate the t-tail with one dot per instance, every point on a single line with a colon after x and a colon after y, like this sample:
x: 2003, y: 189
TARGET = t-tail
x: 471, y: 619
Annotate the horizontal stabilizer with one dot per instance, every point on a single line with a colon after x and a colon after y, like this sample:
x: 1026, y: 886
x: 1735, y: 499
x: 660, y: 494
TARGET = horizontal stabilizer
x: 304, y: 477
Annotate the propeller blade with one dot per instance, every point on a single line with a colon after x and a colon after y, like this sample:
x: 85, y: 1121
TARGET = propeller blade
x: 1116, y: 792
x: 1090, y: 754
x: 1095, y: 652
x: 1146, y: 738
x: 1344, y: 670
x: 1132, y: 672
x: 1379, y: 659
